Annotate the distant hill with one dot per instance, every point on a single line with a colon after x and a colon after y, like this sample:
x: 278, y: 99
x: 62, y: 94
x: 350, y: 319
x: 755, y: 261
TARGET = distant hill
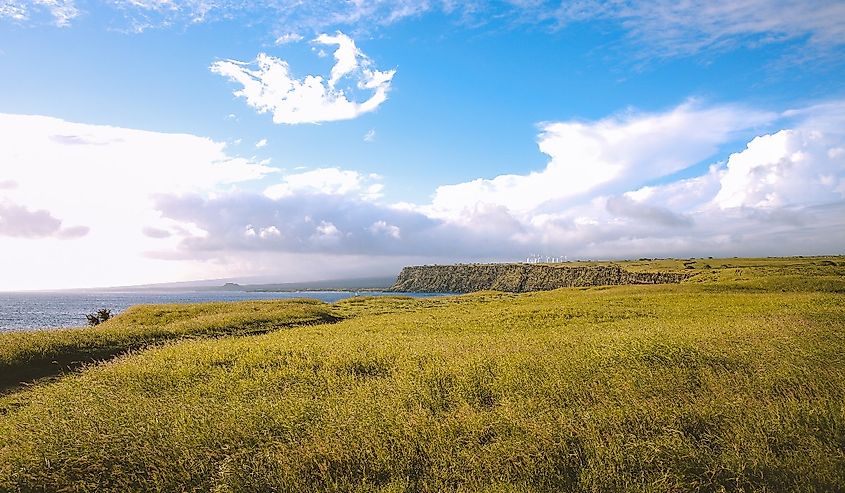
x: 364, y: 283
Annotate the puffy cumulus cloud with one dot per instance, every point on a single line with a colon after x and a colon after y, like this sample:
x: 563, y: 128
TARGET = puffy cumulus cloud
x: 800, y: 166
x: 383, y: 228
x: 610, y: 153
x: 270, y: 87
x: 781, y: 195
x: 328, y: 181
x: 99, y: 180
x: 607, y: 191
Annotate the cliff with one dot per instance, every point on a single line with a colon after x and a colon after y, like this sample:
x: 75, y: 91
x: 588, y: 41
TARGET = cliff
x: 518, y: 278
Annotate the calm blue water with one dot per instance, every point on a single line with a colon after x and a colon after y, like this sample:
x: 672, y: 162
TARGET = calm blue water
x: 28, y: 311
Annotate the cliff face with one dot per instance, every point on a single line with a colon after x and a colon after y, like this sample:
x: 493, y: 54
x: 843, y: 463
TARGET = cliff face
x: 519, y: 278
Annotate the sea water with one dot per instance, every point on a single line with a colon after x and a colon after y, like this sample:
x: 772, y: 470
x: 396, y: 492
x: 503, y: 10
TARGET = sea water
x: 40, y: 310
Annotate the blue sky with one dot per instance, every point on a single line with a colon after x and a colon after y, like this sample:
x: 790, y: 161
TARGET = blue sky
x: 489, y: 131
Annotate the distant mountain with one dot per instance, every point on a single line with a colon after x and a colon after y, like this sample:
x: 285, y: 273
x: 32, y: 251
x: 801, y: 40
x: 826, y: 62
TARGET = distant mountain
x: 364, y: 283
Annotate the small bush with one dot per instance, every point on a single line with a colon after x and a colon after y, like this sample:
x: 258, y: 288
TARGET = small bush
x: 99, y: 317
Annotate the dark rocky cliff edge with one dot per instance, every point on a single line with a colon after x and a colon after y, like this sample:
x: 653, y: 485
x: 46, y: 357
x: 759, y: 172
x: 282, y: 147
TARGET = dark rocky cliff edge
x: 520, y: 278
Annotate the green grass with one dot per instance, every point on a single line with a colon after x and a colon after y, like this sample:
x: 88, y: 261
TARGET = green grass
x: 731, y: 381
x: 29, y: 355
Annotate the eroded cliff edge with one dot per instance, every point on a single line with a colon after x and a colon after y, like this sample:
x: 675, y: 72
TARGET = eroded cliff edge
x: 519, y: 278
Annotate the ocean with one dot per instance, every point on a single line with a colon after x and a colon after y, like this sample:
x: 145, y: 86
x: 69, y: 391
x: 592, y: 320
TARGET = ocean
x: 41, y: 310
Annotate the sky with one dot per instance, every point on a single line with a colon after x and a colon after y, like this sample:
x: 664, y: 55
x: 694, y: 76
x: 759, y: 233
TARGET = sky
x: 147, y: 141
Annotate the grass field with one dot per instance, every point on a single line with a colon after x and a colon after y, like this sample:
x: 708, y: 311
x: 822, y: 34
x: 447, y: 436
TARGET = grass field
x: 29, y: 355
x: 731, y: 381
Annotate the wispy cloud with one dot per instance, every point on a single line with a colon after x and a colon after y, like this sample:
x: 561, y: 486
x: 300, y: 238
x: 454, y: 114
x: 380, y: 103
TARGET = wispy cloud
x: 290, y: 16
x: 673, y: 28
x: 271, y: 87
x: 60, y: 12
x: 662, y: 28
x: 288, y: 38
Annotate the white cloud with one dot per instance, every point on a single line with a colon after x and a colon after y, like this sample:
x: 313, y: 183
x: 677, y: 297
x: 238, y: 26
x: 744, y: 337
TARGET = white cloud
x: 271, y: 87
x: 18, y: 221
x: 288, y: 38
x: 613, y: 152
x: 656, y: 27
x: 261, y: 143
x: 327, y: 230
x: 156, y: 232
x: 263, y: 233
x: 370, y: 136
x: 327, y: 181
x: 270, y: 232
x: 61, y: 12
x: 383, y: 228
x: 784, y: 168
x: 779, y: 193
x: 13, y: 10
x: 606, y: 192
x: 346, y: 56
x: 673, y: 28
x: 290, y: 16
x: 103, y: 179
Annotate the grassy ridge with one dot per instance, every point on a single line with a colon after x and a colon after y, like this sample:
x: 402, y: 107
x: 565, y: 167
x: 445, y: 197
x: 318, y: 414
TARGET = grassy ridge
x: 28, y: 355
x: 731, y: 382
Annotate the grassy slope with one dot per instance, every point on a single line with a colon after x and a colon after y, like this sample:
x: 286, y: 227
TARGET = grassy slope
x: 29, y: 355
x: 736, y: 382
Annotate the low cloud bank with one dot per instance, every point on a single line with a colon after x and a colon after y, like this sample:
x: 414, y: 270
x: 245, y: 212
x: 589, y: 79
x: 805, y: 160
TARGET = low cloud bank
x: 148, y: 206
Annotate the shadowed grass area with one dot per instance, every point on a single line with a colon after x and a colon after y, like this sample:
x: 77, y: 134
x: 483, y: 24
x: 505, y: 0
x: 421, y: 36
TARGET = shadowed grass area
x: 25, y: 356
x: 733, y: 383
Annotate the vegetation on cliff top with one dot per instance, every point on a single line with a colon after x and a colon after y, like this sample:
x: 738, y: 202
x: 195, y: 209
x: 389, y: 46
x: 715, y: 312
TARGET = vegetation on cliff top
x: 733, y: 380
x: 522, y: 278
